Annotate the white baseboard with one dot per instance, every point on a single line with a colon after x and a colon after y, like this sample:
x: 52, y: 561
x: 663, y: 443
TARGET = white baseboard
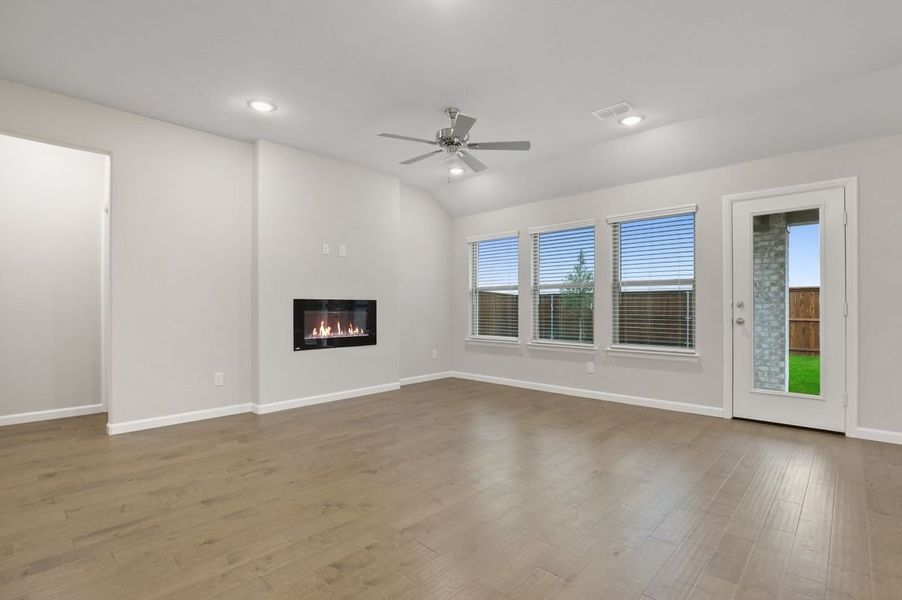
x: 270, y: 407
x: 176, y: 419
x: 877, y: 435
x: 697, y: 409
x: 53, y: 413
x: 234, y: 409
x: 425, y: 378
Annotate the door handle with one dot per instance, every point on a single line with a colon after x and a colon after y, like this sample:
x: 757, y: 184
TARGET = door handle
x: 740, y: 321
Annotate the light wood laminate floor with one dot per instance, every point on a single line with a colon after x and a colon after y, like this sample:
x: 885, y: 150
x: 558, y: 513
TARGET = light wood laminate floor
x: 449, y: 489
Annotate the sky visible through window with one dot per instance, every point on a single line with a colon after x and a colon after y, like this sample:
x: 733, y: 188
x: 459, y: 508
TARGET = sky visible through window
x: 559, y: 253
x: 661, y: 249
x: 497, y: 262
x: 804, y: 256
x: 640, y: 259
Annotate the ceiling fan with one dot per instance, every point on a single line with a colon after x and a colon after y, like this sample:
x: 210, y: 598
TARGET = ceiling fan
x: 455, y: 140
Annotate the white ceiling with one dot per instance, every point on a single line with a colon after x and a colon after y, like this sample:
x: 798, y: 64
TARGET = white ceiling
x: 719, y: 80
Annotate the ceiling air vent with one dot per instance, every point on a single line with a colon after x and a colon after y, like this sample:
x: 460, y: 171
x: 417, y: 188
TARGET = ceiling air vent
x: 609, y: 112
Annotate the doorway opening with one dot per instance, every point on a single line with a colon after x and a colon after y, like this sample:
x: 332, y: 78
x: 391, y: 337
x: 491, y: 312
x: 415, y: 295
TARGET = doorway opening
x: 55, y: 258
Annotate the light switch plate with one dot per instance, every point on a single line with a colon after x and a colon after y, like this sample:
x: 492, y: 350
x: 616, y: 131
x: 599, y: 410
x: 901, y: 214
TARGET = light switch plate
x: 590, y: 367
x: 326, y: 249
x: 218, y: 379
x: 342, y: 250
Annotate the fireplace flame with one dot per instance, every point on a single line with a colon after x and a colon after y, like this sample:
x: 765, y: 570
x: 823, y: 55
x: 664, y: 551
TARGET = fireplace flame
x: 326, y: 331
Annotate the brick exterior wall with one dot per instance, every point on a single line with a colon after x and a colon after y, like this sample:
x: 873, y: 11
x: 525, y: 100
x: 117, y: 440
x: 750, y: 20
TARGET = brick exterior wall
x: 770, y: 244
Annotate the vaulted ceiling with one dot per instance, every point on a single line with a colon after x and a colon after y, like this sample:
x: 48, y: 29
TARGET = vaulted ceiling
x: 718, y: 81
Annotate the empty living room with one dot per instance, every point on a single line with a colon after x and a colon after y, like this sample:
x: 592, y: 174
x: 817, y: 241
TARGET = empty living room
x: 450, y: 300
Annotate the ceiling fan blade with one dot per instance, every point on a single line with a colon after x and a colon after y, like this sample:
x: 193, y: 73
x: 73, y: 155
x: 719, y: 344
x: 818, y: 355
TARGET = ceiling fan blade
x: 408, y: 138
x: 462, y: 125
x: 410, y: 161
x: 499, y: 146
x: 471, y: 161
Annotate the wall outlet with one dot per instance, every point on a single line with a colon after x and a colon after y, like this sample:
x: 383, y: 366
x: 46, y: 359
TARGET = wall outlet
x: 434, y: 354
x: 218, y: 379
x: 326, y: 249
x: 590, y: 367
x: 342, y: 250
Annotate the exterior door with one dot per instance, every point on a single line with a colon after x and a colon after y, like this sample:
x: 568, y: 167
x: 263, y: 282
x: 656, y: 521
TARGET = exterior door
x: 788, y: 338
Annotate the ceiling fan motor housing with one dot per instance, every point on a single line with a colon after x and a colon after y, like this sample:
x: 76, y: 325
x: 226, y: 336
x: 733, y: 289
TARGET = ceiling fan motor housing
x: 454, y: 142
x: 445, y: 138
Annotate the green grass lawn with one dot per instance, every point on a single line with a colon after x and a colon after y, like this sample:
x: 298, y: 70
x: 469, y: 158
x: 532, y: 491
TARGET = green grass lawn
x: 804, y: 374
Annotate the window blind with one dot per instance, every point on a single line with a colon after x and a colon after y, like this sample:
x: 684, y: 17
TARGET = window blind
x: 564, y: 285
x: 653, y: 284
x: 494, y: 297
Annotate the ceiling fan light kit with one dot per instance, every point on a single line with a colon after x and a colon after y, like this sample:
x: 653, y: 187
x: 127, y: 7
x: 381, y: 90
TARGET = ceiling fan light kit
x: 455, y: 141
x: 262, y: 106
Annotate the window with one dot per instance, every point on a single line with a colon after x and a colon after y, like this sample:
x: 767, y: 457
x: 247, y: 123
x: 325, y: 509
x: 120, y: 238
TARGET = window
x: 563, y: 284
x: 653, y: 285
x: 494, y: 297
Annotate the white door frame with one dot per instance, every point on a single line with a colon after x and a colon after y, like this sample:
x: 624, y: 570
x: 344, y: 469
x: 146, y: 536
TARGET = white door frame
x: 850, y: 185
x: 106, y: 304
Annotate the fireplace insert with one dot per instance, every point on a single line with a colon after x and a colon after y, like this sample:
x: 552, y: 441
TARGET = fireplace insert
x: 320, y: 323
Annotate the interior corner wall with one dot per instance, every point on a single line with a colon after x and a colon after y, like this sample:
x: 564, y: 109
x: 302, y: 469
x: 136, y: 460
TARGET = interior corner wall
x: 302, y: 202
x: 51, y: 203
x: 425, y: 285
x: 181, y: 204
x: 876, y: 164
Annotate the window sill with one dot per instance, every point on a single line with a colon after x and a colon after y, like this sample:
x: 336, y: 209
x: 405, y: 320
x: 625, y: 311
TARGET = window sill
x: 689, y: 355
x: 491, y: 341
x: 563, y: 346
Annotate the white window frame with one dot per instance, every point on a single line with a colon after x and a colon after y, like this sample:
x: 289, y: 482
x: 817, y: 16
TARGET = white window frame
x: 650, y: 350
x: 536, y: 288
x: 471, y: 287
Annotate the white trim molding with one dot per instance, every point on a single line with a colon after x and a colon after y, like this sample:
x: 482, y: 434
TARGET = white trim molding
x: 876, y: 435
x: 652, y: 352
x: 492, y: 340
x: 683, y: 209
x: 271, y: 407
x: 493, y: 236
x: 235, y: 409
x: 424, y: 378
x: 177, y: 419
x: 850, y: 187
x: 53, y: 413
x: 685, y: 407
x: 561, y: 346
x: 562, y: 226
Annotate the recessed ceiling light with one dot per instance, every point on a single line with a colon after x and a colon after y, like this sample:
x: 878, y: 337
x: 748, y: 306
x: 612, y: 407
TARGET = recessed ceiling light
x: 455, y: 171
x: 263, y: 106
x: 632, y: 120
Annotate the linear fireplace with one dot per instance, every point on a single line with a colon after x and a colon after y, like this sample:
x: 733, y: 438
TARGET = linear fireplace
x: 334, y: 323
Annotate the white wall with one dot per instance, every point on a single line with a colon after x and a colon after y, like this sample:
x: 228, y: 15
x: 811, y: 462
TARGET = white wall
x: 180, y: 251
x: 303, y: 201
x: 183, y: 265
x: 425, y: 284
x: 876, y: 163
x: 183, y: 261
x: 51, y: 202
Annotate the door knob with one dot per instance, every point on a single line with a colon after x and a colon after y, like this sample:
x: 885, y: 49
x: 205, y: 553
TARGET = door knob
x: 740, y: 321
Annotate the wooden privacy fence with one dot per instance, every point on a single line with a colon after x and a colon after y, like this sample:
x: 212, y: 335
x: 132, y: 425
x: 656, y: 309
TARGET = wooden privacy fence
x: 657, y: 318
x: 804, y: 320
x: 498, y: 316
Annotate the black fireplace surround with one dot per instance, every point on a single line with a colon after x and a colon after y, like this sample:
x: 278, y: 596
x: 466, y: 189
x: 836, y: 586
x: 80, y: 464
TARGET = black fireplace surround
x: 320, y: 323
